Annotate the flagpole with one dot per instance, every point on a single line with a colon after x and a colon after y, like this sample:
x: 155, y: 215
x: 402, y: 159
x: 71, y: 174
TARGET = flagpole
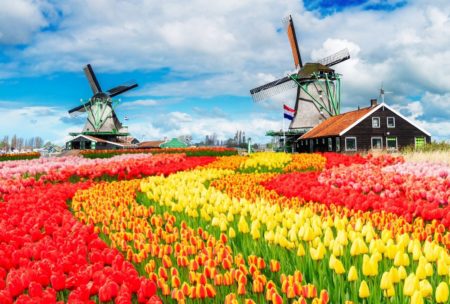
x: 284, y: 135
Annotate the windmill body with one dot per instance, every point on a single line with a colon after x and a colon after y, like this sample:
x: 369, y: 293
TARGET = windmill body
x: 102, y: 128
x: 318, y: 87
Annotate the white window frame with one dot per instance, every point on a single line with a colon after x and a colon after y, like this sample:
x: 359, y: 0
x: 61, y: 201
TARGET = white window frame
x: 387, y: 122
x: 381, y: 141
x: 396, y: 143
x: 356, y: 143
x: 379, y: 122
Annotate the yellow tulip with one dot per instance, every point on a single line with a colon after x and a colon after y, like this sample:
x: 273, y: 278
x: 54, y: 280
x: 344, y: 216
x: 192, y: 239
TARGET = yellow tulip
x: 255, y: 234
x: 332, y: 262
x: 417, y: 298
x: 395, y: 277
x: 442, y: 267
x: 339, y: 267
x: 411, y: 285
x: 352, y: 274
x: 300, y: 250
x: 243, y: 226
x: 363, y: 291
x: 425, y: 288
x: 231, y: 233
x: 358, y: 247
x: 420, y: 271
x: 429, y: 269
x: 386, y: 281
x: 442, y: 293
x: 402, y: 273
x: 390, y: 292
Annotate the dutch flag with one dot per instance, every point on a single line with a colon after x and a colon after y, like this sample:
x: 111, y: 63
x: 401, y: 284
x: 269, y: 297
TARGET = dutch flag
x: 288, y: 112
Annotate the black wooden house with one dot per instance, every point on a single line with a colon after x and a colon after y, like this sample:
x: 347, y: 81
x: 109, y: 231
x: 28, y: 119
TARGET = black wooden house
x: 376, y: 127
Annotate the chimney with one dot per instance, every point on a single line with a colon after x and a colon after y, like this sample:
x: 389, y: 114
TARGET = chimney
x: 373, y: 103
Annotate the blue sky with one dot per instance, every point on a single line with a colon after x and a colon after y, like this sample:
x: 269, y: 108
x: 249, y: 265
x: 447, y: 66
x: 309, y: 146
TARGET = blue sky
x: 195, y: 67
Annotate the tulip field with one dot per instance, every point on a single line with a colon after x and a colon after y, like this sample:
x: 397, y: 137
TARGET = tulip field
x: 263, y: 228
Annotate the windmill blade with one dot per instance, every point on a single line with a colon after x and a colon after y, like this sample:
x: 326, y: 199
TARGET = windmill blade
x: 95, y: 86
x: 336, y: 58
x: 272, y: 88
x: 79, y: 109
x: 121, y: 89
x: 293, y: 41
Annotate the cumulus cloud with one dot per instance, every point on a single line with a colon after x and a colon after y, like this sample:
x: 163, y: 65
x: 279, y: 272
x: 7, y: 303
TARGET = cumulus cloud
x: 20, y: 19
x: 174, y: 124
x: 33, y: 121
x: 140, y: 103
x: 228, y: 47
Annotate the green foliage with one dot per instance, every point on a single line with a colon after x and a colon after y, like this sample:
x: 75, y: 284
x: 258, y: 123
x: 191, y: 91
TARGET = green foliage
x: 432, y: 147
x: 17, y: 157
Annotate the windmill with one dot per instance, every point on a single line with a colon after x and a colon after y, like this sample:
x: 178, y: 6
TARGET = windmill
x: 102, y: 121
x: 318, y: 86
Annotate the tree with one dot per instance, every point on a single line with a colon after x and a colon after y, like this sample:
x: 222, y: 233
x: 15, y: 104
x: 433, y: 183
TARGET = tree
x: 14, y: 142
x: 38, y: 141
x: 5, y: 143
x: 19, y: 143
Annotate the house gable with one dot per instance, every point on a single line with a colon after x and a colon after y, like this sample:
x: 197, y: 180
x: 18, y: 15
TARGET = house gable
x: 382, y: 106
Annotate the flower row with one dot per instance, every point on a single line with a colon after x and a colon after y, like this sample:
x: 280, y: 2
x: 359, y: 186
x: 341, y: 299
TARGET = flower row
x: 192, y: 151
x: 185, y: 263
x: 19, y: 156
x: 46, y: 255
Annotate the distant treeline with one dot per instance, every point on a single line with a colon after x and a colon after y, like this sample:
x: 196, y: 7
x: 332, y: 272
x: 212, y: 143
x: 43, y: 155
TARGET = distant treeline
x: 19, y: 143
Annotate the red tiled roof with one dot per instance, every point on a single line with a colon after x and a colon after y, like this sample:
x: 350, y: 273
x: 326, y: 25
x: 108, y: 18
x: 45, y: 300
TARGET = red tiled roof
x: 150, y: 144
x: 336, y: 124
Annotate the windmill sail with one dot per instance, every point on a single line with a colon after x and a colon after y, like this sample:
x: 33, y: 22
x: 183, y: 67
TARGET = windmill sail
x: 336, y: 58
x: 93, y: 82
x: 79, y: 109
x: 121, y: 89
x: 294, y: 44
x: 272, y: 88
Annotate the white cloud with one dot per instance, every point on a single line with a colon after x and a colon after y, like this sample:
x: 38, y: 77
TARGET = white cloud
x: 20, y: 19
x: 34, y: 121
x: 140, y: 103
x: 175, y: 124
x: 229, y: 47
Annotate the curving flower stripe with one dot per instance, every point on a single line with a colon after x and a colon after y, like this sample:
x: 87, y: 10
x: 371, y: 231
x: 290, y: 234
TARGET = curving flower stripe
x: 219, y: 230
x: 420, y: 169
x: 45, y: 253
x: 185, y: 263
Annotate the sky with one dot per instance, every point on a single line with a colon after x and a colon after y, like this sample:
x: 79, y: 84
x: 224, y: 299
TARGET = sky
x: 196, y: 61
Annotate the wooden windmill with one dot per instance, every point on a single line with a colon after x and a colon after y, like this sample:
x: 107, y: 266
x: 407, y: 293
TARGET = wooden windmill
x: 318, y: 86
x: 102, y: 121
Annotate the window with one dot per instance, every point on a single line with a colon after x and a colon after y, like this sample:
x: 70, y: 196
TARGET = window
x: 317, y: 141
x: 330, y: 144
x: 377, y: 143
x: 323, y: 141
x: 390, y: 122
x: 350, y: 144
x: 419, y: 142
x: 391, y: 143
x: 338, y: 144
x: 375, y: 122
